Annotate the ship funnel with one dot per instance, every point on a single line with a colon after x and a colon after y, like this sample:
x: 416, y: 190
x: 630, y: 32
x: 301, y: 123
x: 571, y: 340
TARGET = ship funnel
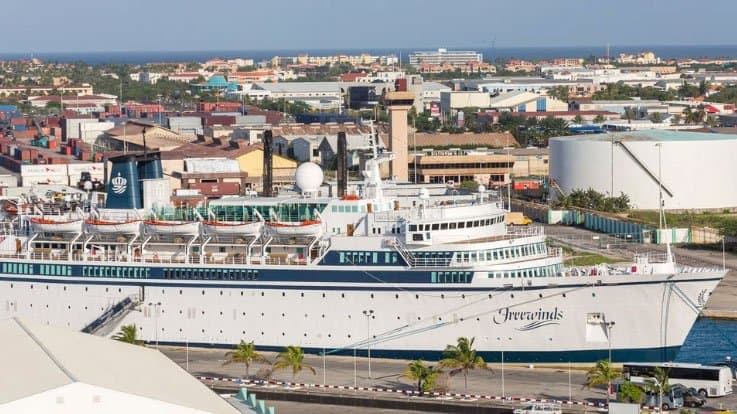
x: 342, y: 165
x: 268, y: 174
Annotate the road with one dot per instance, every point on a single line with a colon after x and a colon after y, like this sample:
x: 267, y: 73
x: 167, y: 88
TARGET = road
x: 519, y: 380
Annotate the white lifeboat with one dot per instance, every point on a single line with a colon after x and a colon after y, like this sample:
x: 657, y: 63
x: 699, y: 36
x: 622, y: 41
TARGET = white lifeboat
x: 189, y: 228
x: 304, y: 228
x: 113, y: 227
x: 248, y: 228
x: 60, y: 225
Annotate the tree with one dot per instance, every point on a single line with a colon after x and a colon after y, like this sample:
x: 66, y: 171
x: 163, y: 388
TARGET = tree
x: 630, y: 392
x: 292, y: 357
x: 128, y: 334
x: 601, y: 374
x: 578, y: 119
x: 559, y: 92
x: 658, y: 383
x: 656, y: 117
x: 245, y: 353
x: 425, y: 375
x: 461, y: 358
x: 469, y: 185
x: 599, y: 119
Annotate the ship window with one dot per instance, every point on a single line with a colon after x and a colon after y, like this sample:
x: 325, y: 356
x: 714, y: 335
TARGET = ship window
x: 436, y: 226
x: 452, y: 226
x: 334, y: 209
x: 412, y: 227
x: 462, y: 225
x: 443, y: 226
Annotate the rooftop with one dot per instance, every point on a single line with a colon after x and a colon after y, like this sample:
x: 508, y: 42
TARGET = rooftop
x: 39, y: 358
x: 652, y: 135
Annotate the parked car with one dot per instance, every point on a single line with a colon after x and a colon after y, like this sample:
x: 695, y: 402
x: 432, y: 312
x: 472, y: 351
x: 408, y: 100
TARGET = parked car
x: 672, y: 400
x: 539, y: 408
x: 691, y: 397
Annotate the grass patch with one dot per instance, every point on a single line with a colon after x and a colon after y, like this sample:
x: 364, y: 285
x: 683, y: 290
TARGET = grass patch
x: 589, y: 259
x: 714, y: 220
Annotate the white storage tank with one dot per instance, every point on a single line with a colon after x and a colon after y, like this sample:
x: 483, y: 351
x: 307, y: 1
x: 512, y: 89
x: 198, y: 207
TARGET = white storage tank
x: 697, y: 170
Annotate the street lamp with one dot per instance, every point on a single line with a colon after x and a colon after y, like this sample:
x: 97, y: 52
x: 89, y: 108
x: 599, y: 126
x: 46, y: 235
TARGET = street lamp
x: 156, y: 320
x: 609, y: 326
x: 368, y: 313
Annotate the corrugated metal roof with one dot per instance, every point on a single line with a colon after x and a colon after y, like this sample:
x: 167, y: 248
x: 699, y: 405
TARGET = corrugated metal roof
x: 39, y: 358
x: 212, y: 165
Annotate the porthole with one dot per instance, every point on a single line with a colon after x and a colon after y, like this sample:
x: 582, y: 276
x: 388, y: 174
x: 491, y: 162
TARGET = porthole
x: 119, y: 289
x: 564, y: 295
x: 417, y: 296
x: 282, y: 334
x: 330, y: 335
x: 241, y: 293
x: 489, y: 295
x: 283, y: 294
x: 106, y: 289
x: 203, y: 292
x: 221, y: 331
x: 262, y: 314
x: 463, y: 296
x: 221, y: 313
x: 305, y: 315
x: 221, y: 293
x: 305, y: 335
x: 593, y: 294
x: 162, y: 291
x: 418, y: 318
x: 282, y: 315
x: 203, y: 331
x: 512, y: 296
x: 397, y: 317
x: 302, y: 294
x: 244, y: 313
x: 85, y: 288
x: 540, y: 295
x: 180, y: 291
x: 243, y: 332
x: 47, y: 288
x: 262, y: 293
x: 440, y: 319
x: 478, y: 319
x: 396, y: 296
x: 180, y: 311
x: 442, y: 296
x: 372, y: 296
x: 323, y: 295
x: 31, y: 287
x: 349, y: 335
x: 323, y: 315
x: 342, y: 295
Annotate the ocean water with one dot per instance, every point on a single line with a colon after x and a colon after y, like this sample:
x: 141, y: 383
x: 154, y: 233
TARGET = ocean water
x: 710, y: 341
x: 133, y: 57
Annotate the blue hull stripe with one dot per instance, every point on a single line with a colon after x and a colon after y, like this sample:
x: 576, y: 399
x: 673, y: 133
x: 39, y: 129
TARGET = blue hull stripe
x: 664, y: 354
x: 378, y: 287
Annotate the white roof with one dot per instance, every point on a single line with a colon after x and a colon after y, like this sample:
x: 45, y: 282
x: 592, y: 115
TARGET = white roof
x: 434, y: 86
x: 296, y: 87
x: 38, y: 358
x: 511, y: 99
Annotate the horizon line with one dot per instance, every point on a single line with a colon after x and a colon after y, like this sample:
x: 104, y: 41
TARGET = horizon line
x: 603, y: 46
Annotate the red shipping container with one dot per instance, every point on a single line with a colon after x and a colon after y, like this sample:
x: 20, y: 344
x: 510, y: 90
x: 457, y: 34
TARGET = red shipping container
x: 52, y: 144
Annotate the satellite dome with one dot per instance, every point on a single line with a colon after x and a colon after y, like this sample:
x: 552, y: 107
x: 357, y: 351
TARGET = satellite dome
x: 308, y: 177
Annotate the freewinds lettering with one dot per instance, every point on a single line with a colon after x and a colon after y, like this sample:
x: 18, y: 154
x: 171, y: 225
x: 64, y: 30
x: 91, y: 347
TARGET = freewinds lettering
x: 535, y: 319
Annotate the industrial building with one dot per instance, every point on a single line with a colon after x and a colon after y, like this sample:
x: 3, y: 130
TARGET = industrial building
x: 55, y: 370
x: 695, y: 170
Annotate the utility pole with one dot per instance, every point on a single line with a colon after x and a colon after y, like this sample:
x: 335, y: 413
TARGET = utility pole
x: 368, y: 313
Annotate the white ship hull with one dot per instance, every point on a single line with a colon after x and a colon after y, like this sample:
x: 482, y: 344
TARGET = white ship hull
x: 542, y: 322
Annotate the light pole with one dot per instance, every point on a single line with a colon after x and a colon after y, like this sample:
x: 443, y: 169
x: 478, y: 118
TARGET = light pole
x: 156, y: 321
x: 609, y: 326
x: 368, y: 313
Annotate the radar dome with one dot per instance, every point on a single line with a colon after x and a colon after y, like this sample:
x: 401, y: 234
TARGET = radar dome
x: 308, y: 177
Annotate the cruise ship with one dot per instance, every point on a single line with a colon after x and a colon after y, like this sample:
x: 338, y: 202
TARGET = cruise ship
x: 363, y: 269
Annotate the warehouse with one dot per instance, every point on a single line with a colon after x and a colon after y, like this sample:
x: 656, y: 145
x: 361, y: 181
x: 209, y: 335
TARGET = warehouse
x: 695, y: 170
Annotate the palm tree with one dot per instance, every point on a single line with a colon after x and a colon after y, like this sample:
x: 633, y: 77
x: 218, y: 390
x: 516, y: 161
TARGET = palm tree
x: 578, y: 119
x: 462, y: 358
x: 602, y: 374
x: 128, y: 334
x: 293, y: 357
x: 246, y: 354
x: 424, y: 374
x: 658, y: 383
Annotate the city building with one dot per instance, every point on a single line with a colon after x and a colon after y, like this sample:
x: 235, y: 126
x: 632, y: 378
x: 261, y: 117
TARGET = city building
x: 320, y: 95
x: 456, y: 166
x: 641, y: 58
x: 50, y: 369
x: 83, y: 89
x: 444, y: 56
x: 521, y: 101
x: 456, y: 100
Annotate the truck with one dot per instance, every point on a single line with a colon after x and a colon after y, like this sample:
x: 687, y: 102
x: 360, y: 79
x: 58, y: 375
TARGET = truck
x: 517, y: 219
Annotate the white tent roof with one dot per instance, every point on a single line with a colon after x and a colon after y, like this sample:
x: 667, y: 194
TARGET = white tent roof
x: 38, y: 358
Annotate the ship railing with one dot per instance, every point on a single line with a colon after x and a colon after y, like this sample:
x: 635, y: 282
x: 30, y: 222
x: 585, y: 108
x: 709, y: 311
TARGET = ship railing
x: 153, y: 258
x: 651, y: 257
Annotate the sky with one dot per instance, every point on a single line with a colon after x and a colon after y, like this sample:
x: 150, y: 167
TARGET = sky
x: 194, y: 25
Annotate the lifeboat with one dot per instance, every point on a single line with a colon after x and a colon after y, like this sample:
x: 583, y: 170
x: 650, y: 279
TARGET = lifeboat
x: 305, y: 228
x: 60, y: 225
x: 190, y: 228
x: 248, y: 228
x: 113, y: 227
